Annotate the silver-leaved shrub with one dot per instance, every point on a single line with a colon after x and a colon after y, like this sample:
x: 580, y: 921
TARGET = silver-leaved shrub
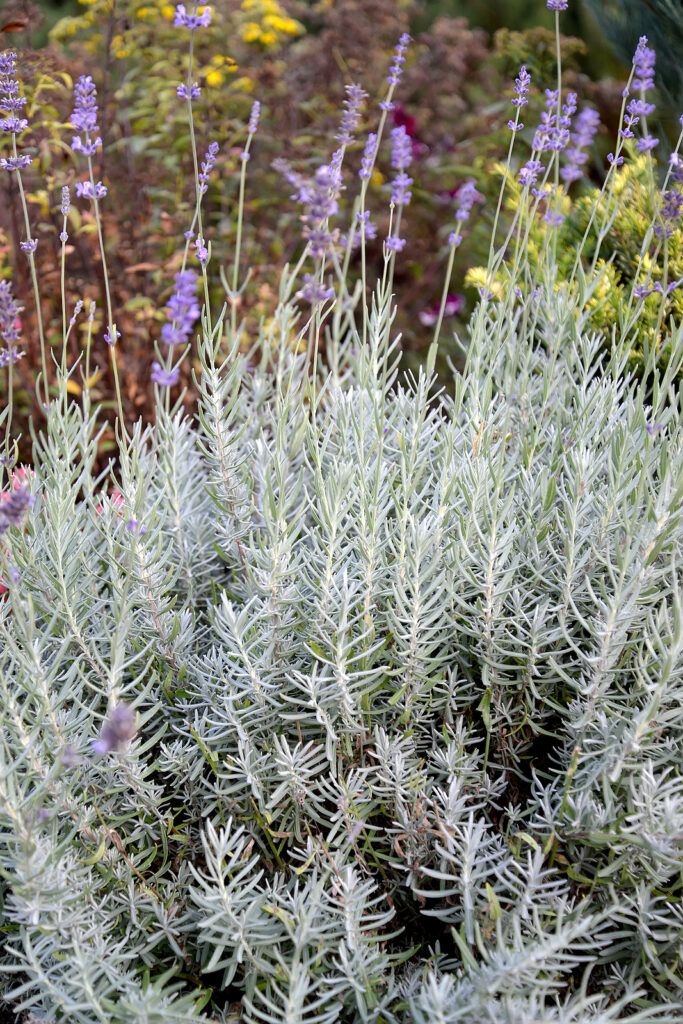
x: 359, y: 700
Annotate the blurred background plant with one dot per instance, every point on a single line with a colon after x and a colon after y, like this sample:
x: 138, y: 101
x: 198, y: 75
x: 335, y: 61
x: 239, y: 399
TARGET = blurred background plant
x: 626, y: 208
x: 297, y: 58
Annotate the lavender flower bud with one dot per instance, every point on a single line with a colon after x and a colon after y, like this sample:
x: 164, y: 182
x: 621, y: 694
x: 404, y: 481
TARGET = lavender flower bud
x: 84, y: 117
x: 530, y: 172
x: 351, y: 116
x: 164, y: 378
x: 402, y: 150
x: 182, y: 310
x: 254, y: 118
x: 84, y: 190
x: 29, y: 246
x: 192, y: 21
x: 9, y: 355
x: 557, y: 5
x: 207, y: 164
x: 11, y: 102
x: 9, y: 312
x: 467, y: 194
x: 66, y: 200
x: 313, y: 292
x: 586, y: 126
x: 117, y: 730
x: 644, y: 64
x: 368, y: 156
x: 395, y: 244
x: 202, y: 252
x: 522, y: 83
x: 13, y: 508
x: 396, y: 69
x: 194, y: 93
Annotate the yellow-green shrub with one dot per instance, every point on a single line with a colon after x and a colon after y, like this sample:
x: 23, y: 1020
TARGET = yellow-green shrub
x: 629, y: 254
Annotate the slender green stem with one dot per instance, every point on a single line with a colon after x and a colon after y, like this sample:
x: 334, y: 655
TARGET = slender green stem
x: 34, y: 278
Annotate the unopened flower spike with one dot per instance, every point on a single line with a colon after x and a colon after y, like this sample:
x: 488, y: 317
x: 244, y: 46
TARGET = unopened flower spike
x: 118, y: 730
x: 254, y: 118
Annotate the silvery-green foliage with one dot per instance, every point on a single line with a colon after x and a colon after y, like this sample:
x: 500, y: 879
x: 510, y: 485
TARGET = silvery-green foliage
x: 406, y: 666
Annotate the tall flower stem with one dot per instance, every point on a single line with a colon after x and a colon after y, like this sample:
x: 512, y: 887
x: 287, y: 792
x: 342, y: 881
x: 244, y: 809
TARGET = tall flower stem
x: 34, y: 279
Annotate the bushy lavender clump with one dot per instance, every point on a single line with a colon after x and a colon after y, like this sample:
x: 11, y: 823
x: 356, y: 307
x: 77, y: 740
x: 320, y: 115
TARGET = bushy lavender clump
x: 377, y: 718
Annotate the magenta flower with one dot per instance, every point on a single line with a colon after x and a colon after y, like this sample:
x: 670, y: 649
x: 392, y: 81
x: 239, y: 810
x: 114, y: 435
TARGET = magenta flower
x: 453, y: 305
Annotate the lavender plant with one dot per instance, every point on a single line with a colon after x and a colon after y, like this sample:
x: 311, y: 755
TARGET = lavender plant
x: 359, y: 699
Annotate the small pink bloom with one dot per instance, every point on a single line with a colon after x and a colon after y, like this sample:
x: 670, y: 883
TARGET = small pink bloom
x: 116, y: 500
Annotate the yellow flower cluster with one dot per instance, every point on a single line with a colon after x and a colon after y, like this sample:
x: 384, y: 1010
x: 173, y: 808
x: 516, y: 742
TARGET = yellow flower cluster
x: 273, y: 25
x: 219, y: 66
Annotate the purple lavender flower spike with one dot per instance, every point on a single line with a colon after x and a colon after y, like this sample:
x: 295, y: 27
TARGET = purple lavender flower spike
x: 353, y: 105
x: 396, y: 69
x: 13, y: 508
x: 643, y: 79
x: 553, y: 131
x: 11, y: 103
x: 207, y: 164
x: 29, y: 246
x: 644, y: 64
x: 557, y: 5
x: 202, y: 252
x: 117, y: 730
x: 402, y: 150
x: 9, y: 312
x: 164, y: 378
x: 467, y: 195
x: 182, y: 310
x: 319, y: 198
x: 192, y: 21
x: 84, y: 117
x: 529, y: 173
x: 111, y: 337
x: 522, y: 83
x: 368, y: 156
x: 401, y: 156
x: 254, y: 117
x: 585, y: 128
x: 9, y: 355
x: 66, y: 200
